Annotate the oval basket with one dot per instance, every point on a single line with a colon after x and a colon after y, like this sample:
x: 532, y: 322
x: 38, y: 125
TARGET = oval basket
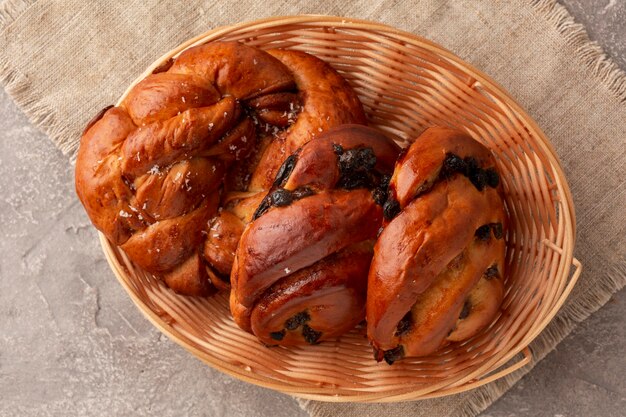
x: 406, y: 84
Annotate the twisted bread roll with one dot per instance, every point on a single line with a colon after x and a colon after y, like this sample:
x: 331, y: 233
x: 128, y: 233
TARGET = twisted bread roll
x: 301, y: 266
x: 149, y: 172
x: 436, y: 274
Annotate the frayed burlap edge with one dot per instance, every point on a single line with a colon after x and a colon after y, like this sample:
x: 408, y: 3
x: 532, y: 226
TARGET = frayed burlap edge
x: 18, y: 88
x: 593, y: 58
x: 10, y: 10
x: 609, y: 75
x: 42, y: 116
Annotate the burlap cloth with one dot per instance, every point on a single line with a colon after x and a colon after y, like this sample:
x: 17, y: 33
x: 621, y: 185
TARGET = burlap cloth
x: 63, y: 61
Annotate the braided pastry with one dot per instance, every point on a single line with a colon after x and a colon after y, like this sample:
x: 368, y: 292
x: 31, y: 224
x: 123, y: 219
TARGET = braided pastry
x: 150, y: 171
x: 436, y: 274
x: 300, y: 271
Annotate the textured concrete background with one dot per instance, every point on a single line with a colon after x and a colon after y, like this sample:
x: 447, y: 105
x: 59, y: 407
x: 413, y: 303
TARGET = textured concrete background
x: 73, y: 344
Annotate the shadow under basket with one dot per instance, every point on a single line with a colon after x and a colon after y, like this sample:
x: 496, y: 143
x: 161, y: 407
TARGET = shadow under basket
x: 406, y: 84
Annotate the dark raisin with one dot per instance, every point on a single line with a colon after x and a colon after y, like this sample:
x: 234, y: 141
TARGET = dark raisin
x: 391, y: 208
x: 471, y: 164
x: 285, y: 170
x: 380, y: 192
x: 483, y: 232
x: 404, y: 325
x: 278, y: 335
x: 384, y: 181
x: 453, y: 163
x: 474, y: 173
x: 281, y: 197
x: 466, y: 310
x: 302, y: 192
x: 493, y: 179
x: 338, y: 149
x: 296, y: 321
x: 310, y: 336
x: 353, y: 180
x: 497, y: 230
x: 478, y: 177
x: 263, y: 207
x: 347, y: 159
x: 356, y: 167
x: 379, y: 195
x: 492, y: 272
x: 366, y: 159
x: 394, y: 354
x: 358, y: 159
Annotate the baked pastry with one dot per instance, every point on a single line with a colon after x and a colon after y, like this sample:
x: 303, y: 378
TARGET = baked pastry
x: 300, y: 270
x: 150, y: 172
x: 324, y: 100
x: 436, y: 273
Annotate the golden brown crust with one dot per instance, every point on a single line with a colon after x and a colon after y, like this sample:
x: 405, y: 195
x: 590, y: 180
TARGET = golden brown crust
x: 448, y: 232
x: 184, y: 187
x: 165, y: 95
x: 313, y: 168
x: 327, y: 101
x: 418, y: 244
x: 437, y: 309
x: 99, y: 184
x: 420, y: 166
x: 245, y: 207
x: 235, y: 69
x: 287, y: 239
x: 241, y: 314
x: 190, y: 133
x: 164, y: 244
x: 300, y: 269
x: 150, y: 171
x: 331, y: 291
x: 236, y: 144
x: 482, y: 304
x: 224, y: 233
x: 190, y: 278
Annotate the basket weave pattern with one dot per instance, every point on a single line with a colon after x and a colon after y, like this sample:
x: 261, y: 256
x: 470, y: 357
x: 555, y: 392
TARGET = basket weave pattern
x: 405, y: 84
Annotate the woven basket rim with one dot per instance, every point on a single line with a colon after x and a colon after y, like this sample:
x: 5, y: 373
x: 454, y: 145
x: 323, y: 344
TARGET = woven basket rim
x: 488, y: 371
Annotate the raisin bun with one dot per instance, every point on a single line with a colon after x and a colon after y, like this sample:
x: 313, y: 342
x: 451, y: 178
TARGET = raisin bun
x: 300, y: 271
x: 436, y: 273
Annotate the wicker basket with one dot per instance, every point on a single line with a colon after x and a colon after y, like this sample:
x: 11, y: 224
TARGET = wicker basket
x: 406, y: 83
